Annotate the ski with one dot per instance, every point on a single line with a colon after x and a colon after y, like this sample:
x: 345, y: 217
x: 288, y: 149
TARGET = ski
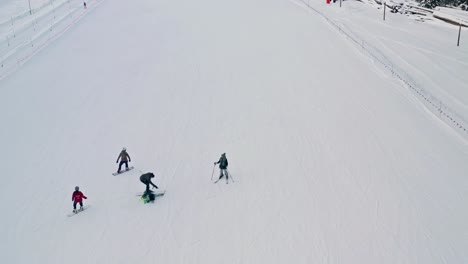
x: 78, y: 211
x: 227, y: 180
x: 218, y: 181
x: 157, y: 193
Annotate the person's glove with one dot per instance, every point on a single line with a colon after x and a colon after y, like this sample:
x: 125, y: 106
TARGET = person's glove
x: 117, y: 162
x: 215, y: 163
x: 129, y: 160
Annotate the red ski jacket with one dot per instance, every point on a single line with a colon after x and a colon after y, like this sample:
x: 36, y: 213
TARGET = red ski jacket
x: 78, y: 196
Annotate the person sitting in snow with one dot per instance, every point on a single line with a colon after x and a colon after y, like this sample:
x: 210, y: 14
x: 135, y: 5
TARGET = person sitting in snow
x: 124, y: 159
x: 77, y: 197
x: 223, y: 164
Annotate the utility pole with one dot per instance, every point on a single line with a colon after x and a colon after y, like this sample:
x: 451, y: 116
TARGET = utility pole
x: 384, y: 8
x: 459, y: 33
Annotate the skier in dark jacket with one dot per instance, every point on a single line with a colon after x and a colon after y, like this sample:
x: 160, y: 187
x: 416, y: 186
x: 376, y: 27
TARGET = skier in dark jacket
x: 146, y: 179
x: 124, y: 159
x: 223, y: 164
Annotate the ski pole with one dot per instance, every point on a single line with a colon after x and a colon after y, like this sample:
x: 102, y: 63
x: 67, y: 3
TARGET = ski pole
x: 213, y: 172
x: 230, y: 176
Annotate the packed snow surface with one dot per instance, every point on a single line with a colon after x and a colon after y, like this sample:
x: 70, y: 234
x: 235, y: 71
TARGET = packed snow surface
x: 333, y: 160
x: 426, y: 53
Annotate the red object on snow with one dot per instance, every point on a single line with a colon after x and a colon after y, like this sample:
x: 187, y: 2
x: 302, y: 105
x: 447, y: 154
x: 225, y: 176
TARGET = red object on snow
x: 328, y: 1
x: 78, y: 196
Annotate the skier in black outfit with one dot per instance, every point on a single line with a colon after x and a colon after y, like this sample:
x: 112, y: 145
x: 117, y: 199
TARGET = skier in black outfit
x: 223, y: 164
x: 146, y: 179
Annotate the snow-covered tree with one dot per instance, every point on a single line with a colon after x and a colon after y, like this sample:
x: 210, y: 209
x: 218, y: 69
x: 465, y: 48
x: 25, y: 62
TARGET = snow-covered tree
x: 430, y: 3
x: 434, y: 3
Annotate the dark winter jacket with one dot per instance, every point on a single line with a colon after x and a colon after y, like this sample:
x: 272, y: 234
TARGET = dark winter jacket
x: 123, y: 156
x: 223, y: 163
x: 78, y: 196
x: 146, y: 178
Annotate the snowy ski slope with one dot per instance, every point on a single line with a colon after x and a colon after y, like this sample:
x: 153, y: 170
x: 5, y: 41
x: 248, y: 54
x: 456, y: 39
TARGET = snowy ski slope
x: 334, y: 161
x: 422, y: 56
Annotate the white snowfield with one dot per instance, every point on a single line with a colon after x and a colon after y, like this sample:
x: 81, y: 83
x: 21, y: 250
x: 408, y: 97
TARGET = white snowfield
x: 25, y: 33
x: 333, y: 160
x: 423, y: 56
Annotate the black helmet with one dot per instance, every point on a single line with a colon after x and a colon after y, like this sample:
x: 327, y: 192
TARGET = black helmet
x: 77, y: 188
